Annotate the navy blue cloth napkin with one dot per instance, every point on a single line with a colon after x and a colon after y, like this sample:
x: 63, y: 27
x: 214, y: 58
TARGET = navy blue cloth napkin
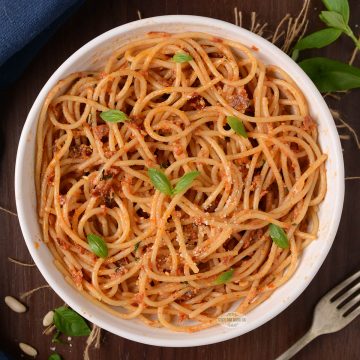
x: 25, y: 26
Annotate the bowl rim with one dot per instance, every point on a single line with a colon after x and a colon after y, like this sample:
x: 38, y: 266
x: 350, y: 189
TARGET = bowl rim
x: 31, y: 121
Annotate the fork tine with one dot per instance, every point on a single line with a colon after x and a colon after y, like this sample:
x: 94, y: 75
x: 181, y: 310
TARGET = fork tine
x: 348, y: 293
x: 350, y: 304
x: 350, y: 317
x: 331, y: 294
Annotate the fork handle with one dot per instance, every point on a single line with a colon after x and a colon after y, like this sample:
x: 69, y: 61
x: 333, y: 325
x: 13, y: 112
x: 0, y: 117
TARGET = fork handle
x: 302, y: 342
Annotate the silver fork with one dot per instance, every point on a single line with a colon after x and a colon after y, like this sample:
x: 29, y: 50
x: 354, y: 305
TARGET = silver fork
x: 331, y: 314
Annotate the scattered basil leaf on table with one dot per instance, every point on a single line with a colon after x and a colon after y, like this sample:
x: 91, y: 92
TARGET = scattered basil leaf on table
x: 160, y: 181
x: 340, y: 6
x: 278, y: 236
x: 185, y: 181
x: 70, y: 322
x: 97, y: 245
x: 237, y: 125
x: 224, y: 277
x: 54, y: 356
x: 318, y: 39
x: 182, y: 58
x: 331, y: 75
x: 114, y: 116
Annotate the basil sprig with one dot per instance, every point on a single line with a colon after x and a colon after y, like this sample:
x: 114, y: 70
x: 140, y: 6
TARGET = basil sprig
x: 237, y: 125
x: 114, y: 116
x: 224, y: 277
x: 331, y: 75
x: 54, y: 356
x: 70, y: 322
x: 318, y: 39
x: 162, y: 183
x: 278, y: 236
x: 181, y: 58
x: 97, y: 245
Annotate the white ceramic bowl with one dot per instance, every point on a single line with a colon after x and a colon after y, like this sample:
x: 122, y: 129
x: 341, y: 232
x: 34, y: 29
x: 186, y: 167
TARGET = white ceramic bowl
x: 89, y: 57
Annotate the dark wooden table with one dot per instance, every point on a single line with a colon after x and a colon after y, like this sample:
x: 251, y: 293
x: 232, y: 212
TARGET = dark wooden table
x: 266, y: 342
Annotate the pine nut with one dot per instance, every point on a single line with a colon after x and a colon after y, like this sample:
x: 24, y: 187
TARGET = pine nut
x: 48, y: 318
x: 14, y: 304
x: 28, y: 350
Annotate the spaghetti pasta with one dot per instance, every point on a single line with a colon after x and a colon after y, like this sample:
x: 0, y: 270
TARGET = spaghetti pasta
x: 178, y: 260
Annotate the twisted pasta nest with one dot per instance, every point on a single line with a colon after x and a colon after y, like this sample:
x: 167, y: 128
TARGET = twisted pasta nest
x: 178, y: 261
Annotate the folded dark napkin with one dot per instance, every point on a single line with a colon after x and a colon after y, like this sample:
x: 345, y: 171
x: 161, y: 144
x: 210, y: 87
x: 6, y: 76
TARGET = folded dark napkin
x: 25, y: 26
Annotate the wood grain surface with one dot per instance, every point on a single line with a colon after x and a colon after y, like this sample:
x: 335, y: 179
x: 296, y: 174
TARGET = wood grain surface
x: 266, y: 342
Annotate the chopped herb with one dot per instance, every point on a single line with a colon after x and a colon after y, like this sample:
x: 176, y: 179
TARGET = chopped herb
x: 182, y: 58
x: 278, y: 236
x: 97, y: 245
x: 70, y: 323
x: 236, y: 125
x: 165, y: 164
x: 136, y: 246
x: 114, y: 116
x: 104, y: 176
x: 224, y: 277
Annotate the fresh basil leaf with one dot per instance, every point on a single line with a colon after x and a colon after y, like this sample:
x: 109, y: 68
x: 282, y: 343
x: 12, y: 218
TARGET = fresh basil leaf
x: 318, y: 39
x: 224, y: 277
x: 160, y: 181
x: 340, y: 6
x: 54, y: 356
x: 236, y: 125
x: 278, y: 236
x: 136, y: 246
x: 331, y: 75
x: 185, y: 181
x: 114, y: 116
x: 333, y: 19
x: 70, y: 322
x: 182, y: 58
x: 97, y: 245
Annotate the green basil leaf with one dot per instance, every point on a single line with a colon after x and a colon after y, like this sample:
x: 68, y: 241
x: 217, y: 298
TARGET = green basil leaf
x: 236, y: 125
x: 160, y: 181
x: 136, y: 246
x: 114, y: 116
x: 340, y: 6
x: 333, y: 19
x: 54, y: 356
x: 70, y: 322
x: 224, y: 277
x: 318, y: 39
x: 182, y: 58
x: 185, y: 181
x: 331, y: 75
x: 97, y: 245
x: 278, y: 236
